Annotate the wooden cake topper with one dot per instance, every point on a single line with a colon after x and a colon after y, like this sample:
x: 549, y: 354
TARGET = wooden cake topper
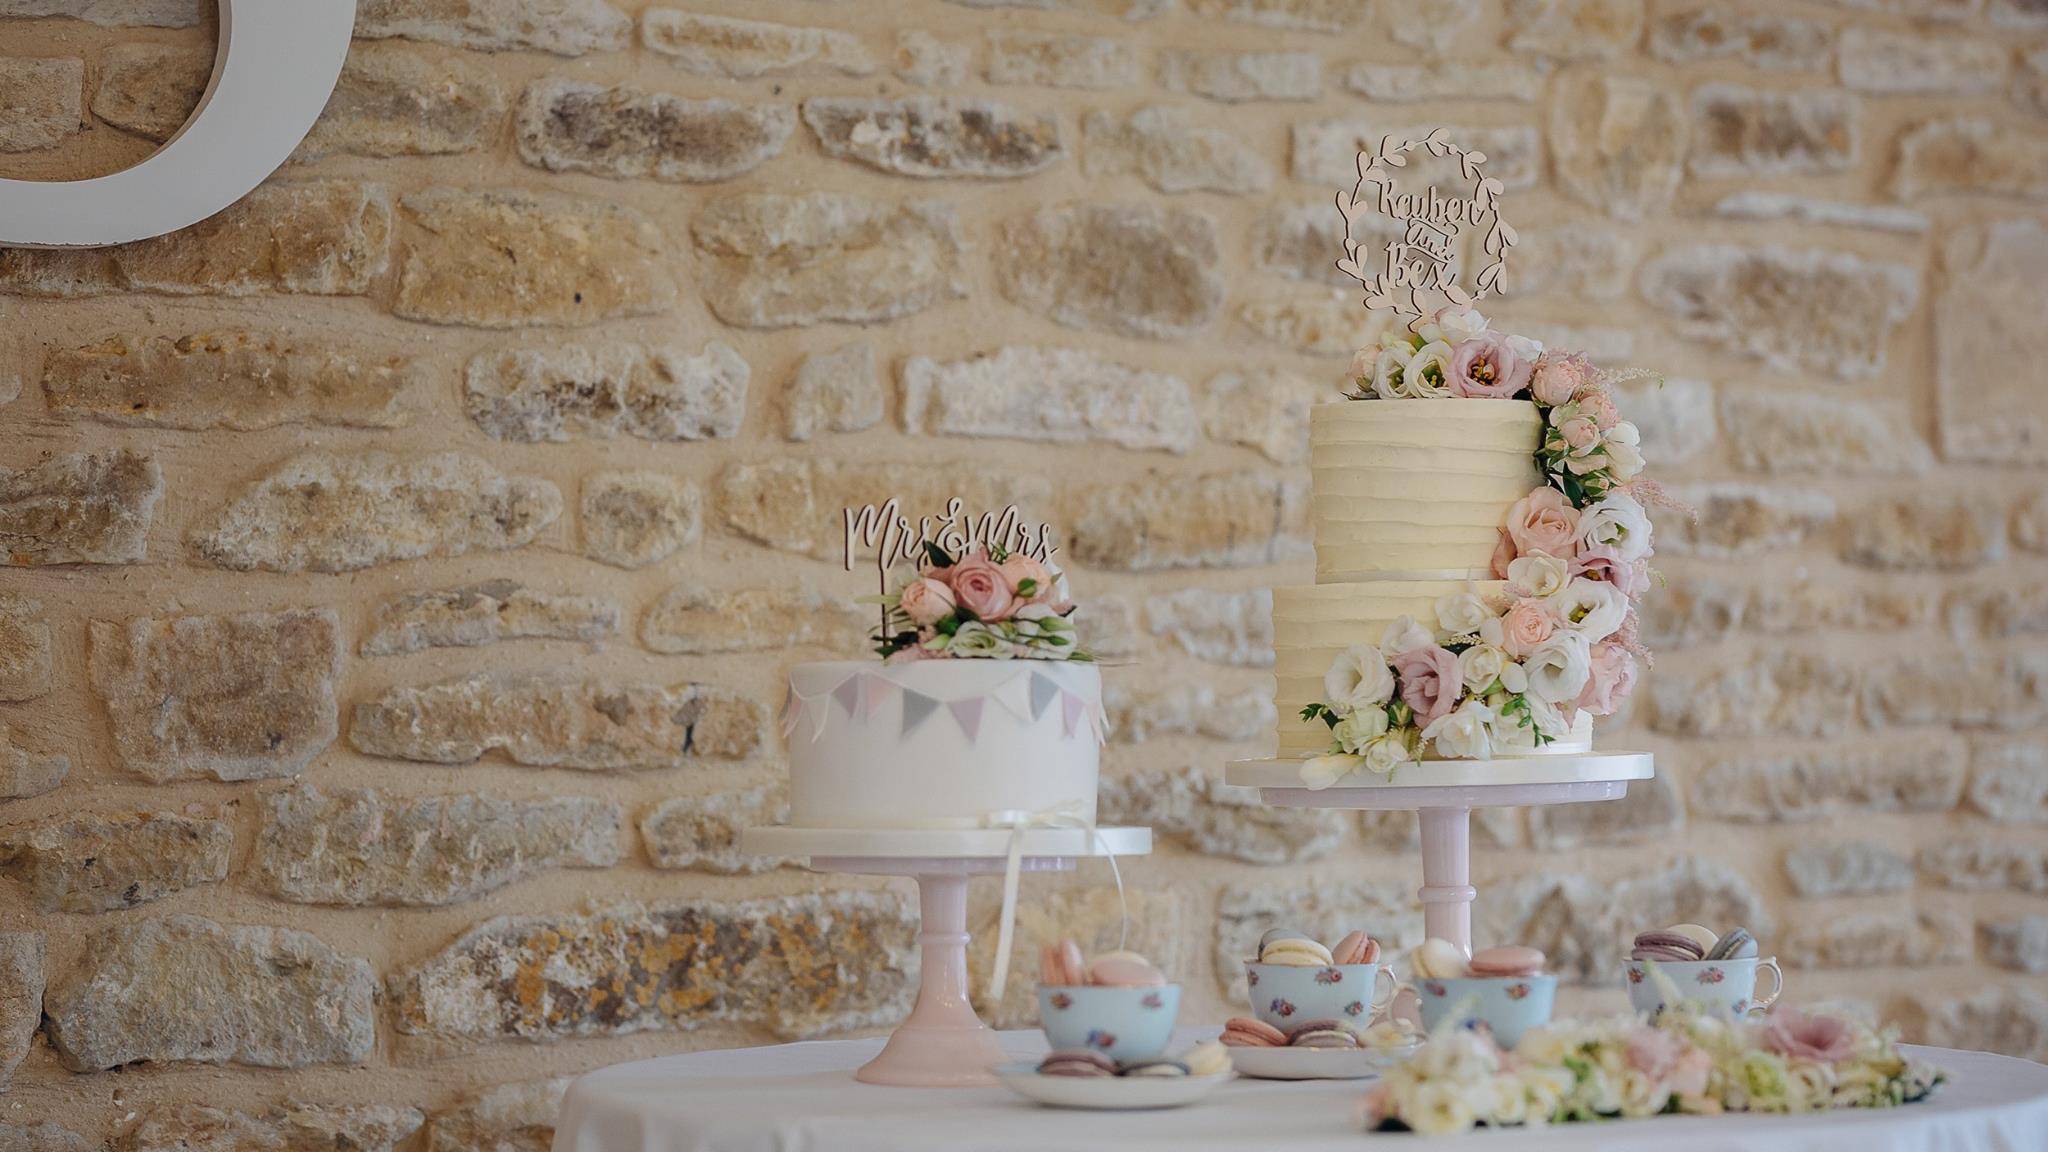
x: 896, y: 538
x: 1418, y: 271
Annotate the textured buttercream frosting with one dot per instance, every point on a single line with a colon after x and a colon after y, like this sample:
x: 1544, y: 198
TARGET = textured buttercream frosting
x: 1417, y: 488
x: 1313, y: 624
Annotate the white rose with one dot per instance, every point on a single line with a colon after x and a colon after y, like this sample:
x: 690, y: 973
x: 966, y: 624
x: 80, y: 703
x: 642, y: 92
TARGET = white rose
x: 1511, y: 737
x: 1507, y: 1103
x: 1435, y: 357
x: 1459, y: 325
x: 1461, y: 613
x: 1387, y: 370
x: 1405, y: 635
x: 1624, y: 451
x: 1619, y: 523
x: 1526, y: 347
x: 1358, y: 678
x: 1549, y: 720
x: 1538, y: 574
x: 1355, y: 731
x: 1558, y: 667
x: 1387, y: 753
x: 1592, y: 608
x: 1463, y: 733
x: 1514, y: 679
x: 1480, y: 665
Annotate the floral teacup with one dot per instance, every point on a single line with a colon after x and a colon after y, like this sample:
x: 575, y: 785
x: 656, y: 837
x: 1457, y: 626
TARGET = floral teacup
x: 1285, y: 995
x: 1507, y: 1005
x: 1718, y: 987
x: 1123, y: 1024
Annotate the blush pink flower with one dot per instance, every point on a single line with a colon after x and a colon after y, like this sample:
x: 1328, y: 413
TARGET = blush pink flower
x: 1487, y: 365
x: 1580, y: 432
x: 1557, y: 378
x: 927, y: 601
x: 1602, y: 562
x: 1654, y: 1052
x: 1503, y: 555
x: 1544, y: 521
x: 1611, y: 679
x: 1429, y: 682
x: 979, y: 587
x: 1600, y: 406
x: 1813, y: 1036
x: 1017, y: 568
x: 1526, y: 625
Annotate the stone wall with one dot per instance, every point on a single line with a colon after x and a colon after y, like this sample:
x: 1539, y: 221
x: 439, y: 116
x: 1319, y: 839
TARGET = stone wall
x: 400, y: 564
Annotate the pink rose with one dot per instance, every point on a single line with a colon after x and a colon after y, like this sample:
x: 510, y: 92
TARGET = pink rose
x: 1429, y: 682
x: 1612, y: 678
x: 1580, y: 432
x: 1654, y: 1052
x: 979, y: 587
x: 1602, y: 562
x: 1486, y: 365
x: 1544, y: 521
x: 1600, y: 406
x: 1503, y: 555
x: 1809, y: 1036
x: 1527, y: 624
x: 927, y: 601
x: 1017, y: 568
x: 1556, y: 378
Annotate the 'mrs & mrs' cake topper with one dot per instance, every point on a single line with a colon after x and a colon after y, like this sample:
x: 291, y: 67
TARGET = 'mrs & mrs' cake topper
x: 897, y: 539
x: 1417, y: 271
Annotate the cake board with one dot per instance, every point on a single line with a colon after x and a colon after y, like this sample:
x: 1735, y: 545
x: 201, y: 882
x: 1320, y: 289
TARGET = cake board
x: 1443, y: 793
x: 942, y: 1043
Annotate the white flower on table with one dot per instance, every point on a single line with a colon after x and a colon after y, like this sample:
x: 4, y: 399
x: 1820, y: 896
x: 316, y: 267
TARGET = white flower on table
x: 1358, y: 679
x: 1463, y: 733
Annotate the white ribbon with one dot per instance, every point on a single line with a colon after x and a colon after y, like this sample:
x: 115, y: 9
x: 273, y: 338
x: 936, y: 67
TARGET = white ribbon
x: 1068, y: 815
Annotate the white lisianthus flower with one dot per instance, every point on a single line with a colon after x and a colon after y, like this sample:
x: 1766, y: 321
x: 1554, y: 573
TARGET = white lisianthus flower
x: 1514, y: 679
x: 1405, y: 635
x: 1437, y: 1108
x: 1527, y: 347
x: 1549, y: 720
x: 1480, y: 665
x: 1510, y: 736
x: 1461, y: 613
x: 1623, y: 444
x: 1506, y: 1102
x: 1428, y: 372
x: 1538, y: 574
x: 1617, y: 522
x: 1463, y: 733
x: 1558, y: 668
x: 1359, y: 729
x: 1592, y: 608
x: 1493, y: 632
x: 1387, y: 753
x: 1319, y: 772
x: 1358, y: 678
x: 1457, y: 325
x: 1388, y: 372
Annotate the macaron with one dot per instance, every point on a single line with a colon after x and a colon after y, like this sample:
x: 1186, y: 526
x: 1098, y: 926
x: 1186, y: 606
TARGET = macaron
x: 1666, y: 946
x: 1249, y: 1032
x: 1295, y: 951
x: 1507, y: 960
x: 1738, y: 944
x: 1060, y: 965
x: 1355, y: 948
x: 1154, y: 1068
x: 1437, y: 959
x: 1273, y: 934
x: 1124, y: 970
x: 1076, y: 1062
x: 1701, y: 935
x: 1320, y: 1024
x: 1206, y: 1059
x: 1324, y: 1038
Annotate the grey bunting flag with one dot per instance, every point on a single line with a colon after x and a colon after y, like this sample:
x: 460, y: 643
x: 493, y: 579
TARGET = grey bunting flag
x: 917, y: 708
x: 1043, y: 692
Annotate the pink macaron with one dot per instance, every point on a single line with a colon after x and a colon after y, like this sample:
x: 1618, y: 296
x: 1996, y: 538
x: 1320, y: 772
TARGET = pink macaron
x: 1355, y: 948
x: 1246, y: 1032
x: 1507, y: 960
x: 1060, y: 965
x: 1123, y: 970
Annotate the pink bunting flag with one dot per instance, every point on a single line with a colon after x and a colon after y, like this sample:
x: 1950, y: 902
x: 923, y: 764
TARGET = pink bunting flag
x: 873, y: 690
x: 848, y: 693
x: 967, y: 714
x: 1071, y: 709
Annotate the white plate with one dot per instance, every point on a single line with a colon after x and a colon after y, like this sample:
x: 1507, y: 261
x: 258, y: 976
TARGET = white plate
x: 1316, y: 1063
x: 1107, y: 1092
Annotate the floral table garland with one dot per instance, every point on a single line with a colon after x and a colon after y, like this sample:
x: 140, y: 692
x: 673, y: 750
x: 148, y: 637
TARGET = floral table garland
x: 1505, y: 674
x: 1628, y: 1067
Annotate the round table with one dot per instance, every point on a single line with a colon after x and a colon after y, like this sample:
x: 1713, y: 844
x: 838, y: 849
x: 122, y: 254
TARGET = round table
x: 803, y: 1096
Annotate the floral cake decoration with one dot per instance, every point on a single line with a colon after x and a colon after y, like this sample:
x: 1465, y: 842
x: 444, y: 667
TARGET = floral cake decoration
x: 1505, y: 672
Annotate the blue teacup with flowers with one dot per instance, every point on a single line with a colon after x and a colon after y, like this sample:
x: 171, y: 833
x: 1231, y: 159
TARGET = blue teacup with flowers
x: 1123, y: 1024
x: 1716, y: 987
x: 1507, y: 1005
x: 1285, y: 995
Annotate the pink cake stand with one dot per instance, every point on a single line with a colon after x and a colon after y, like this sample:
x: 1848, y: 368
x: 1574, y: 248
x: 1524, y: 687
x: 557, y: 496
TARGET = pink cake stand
x: 1443, y: 793
x: 942, y: 1043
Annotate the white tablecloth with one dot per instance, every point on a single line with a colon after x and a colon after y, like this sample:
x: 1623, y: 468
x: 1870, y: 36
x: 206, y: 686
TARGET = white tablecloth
x: 803, y: 1098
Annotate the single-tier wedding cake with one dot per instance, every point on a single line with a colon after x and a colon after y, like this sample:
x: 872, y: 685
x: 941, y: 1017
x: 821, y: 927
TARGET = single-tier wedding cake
x: 1479, y: 548
x: 985, y: 712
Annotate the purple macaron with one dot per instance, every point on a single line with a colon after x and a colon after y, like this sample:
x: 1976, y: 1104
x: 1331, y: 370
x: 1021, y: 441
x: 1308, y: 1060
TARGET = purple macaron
x: 1666, y: 946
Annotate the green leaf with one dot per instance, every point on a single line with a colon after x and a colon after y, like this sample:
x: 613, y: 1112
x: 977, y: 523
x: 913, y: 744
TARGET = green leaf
x: 937, y: 555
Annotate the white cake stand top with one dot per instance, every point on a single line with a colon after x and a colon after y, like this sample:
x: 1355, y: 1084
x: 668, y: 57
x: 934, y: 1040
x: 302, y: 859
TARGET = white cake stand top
x: 1507, y: 782
x: 911, y: 852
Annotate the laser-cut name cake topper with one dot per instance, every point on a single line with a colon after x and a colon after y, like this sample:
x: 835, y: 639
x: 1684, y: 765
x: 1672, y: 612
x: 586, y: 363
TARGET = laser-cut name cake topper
x: 897, y: 539
x: 1417, y: 271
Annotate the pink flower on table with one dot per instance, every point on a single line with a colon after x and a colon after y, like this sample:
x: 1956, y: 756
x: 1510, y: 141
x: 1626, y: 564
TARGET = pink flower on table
x: 1487, y: 365
x: 1503, y: 555
x: 1017, y: 568
x: 1631, y: 578
x: 927, y: 601
x: 1430, y: 682
x: 1528, y: 624
x: 1557, y: 378
x: 1809, y: 1036
x: 1612, y: 678
x: 1544, y: 521
x: 979, y: 587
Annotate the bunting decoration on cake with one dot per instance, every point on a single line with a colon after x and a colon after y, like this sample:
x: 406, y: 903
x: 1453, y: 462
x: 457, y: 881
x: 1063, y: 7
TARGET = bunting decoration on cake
x: 1028, y: 695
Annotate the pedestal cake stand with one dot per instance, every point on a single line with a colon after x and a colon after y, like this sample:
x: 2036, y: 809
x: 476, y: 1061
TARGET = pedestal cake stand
x: 942, y: 1044
x: 1443, y: 794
